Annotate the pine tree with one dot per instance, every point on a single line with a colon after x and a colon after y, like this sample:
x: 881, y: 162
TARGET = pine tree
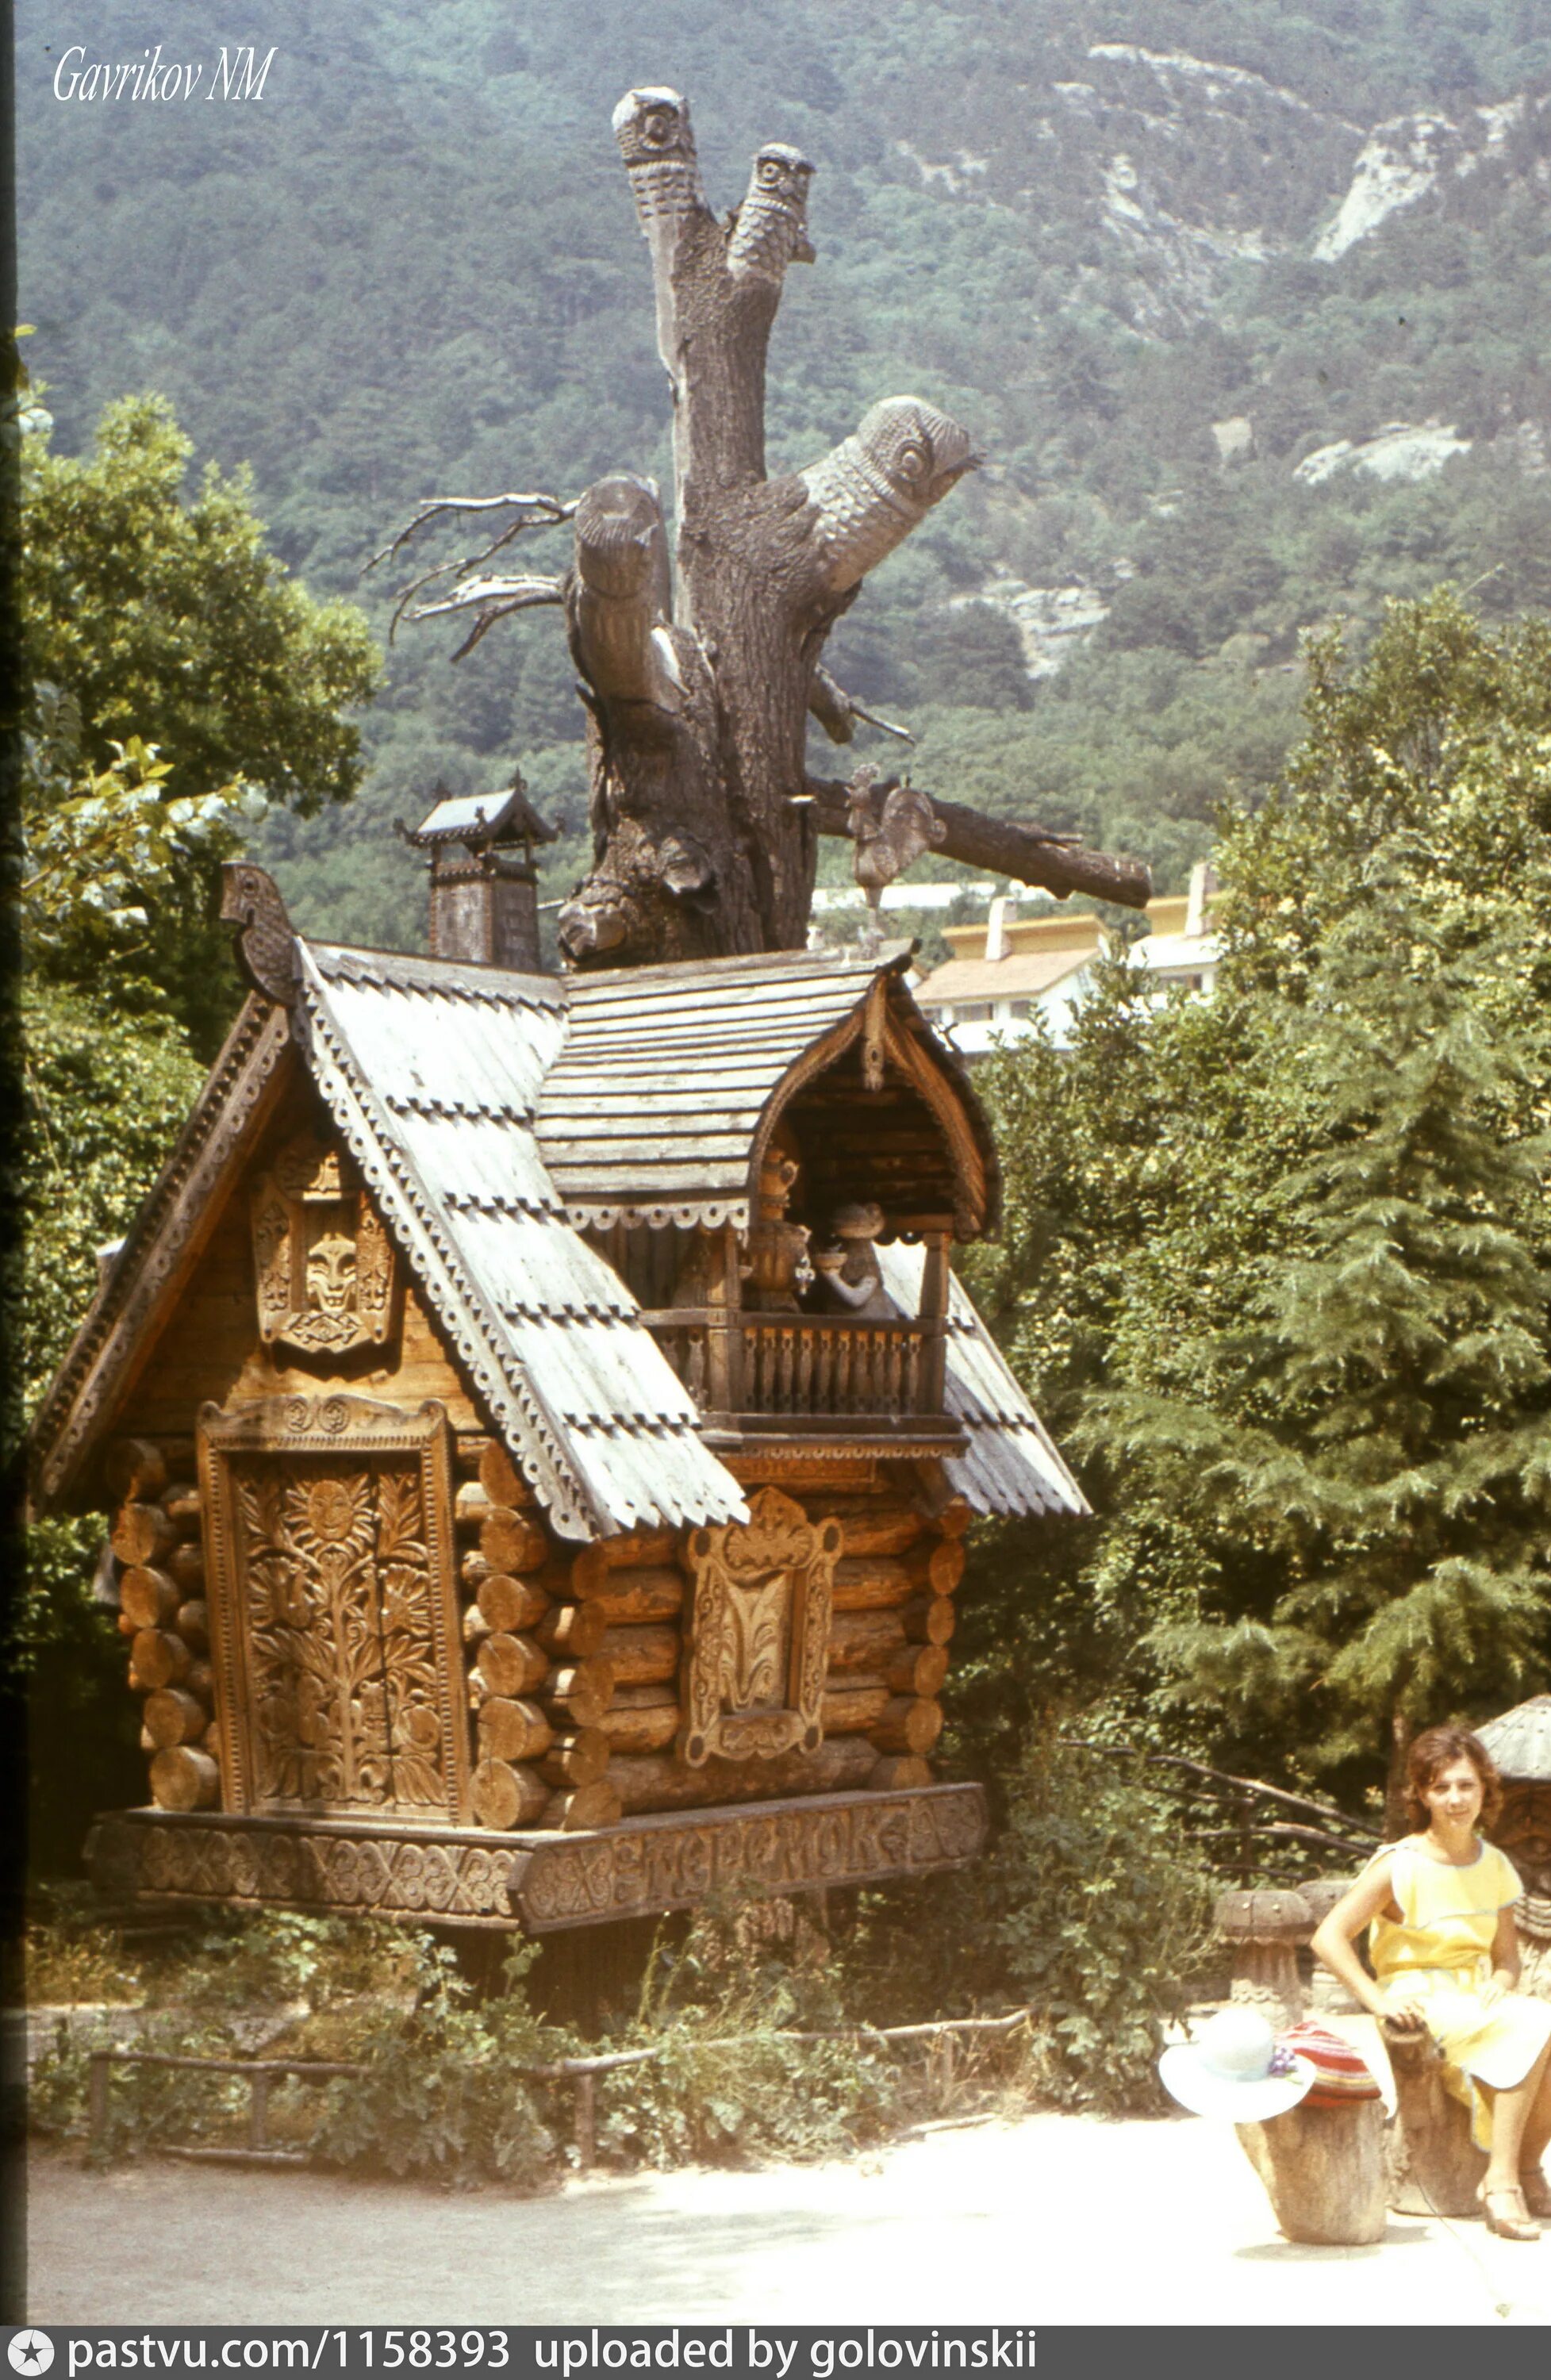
x: 1377, y: 1427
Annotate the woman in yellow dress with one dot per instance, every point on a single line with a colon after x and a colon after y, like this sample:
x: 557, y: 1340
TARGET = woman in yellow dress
x: 1444, y: 1952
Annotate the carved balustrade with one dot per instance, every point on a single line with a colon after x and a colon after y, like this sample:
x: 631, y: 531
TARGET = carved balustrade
x: 809, y: 1366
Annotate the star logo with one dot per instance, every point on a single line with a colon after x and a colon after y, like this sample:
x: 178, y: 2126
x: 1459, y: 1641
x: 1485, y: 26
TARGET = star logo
x: 30, y: 2350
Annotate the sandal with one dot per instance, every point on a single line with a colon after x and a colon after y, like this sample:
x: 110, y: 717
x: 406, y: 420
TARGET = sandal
x: 1537, y: 2190
x: 1519, y: 2224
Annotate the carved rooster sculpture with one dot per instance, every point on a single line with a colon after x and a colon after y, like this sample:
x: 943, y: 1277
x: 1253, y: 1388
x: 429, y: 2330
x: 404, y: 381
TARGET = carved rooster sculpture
x: 892, y: 826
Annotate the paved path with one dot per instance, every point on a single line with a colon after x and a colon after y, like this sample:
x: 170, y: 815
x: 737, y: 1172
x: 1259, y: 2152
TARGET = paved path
x: 1055, y: 2219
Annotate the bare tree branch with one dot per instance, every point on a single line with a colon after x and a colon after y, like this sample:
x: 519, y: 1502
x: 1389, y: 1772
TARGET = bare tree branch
x: 546, y: 511
x: 837, y: 711
x: 535, y: 510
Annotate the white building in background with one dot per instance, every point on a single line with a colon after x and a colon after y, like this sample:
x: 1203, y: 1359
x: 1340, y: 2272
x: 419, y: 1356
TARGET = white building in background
x: 1009, y: 970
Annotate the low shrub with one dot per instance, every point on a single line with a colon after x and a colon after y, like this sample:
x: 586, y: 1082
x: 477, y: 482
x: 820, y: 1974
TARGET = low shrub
x: 1099, y: 1913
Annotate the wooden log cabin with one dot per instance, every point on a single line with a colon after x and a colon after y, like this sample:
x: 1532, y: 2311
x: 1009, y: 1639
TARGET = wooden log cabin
x: 539, y: 1424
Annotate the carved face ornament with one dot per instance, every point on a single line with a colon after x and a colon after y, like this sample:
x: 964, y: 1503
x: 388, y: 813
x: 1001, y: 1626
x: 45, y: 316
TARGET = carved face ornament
x: 331, y: 1275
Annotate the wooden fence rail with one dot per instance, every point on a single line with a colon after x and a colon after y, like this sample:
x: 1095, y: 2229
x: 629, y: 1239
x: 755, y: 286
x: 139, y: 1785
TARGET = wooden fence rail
x: 581, y: 2072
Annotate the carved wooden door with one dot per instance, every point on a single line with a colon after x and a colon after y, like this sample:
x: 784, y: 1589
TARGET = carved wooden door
x: 333, y: 1614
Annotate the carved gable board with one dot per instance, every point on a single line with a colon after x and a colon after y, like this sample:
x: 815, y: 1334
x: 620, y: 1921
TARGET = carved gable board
x: 333, y: 1609
x: 758, y: 1633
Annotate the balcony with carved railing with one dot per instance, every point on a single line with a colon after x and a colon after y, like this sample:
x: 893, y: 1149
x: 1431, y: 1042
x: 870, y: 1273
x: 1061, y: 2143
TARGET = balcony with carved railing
x: 806, y: 1372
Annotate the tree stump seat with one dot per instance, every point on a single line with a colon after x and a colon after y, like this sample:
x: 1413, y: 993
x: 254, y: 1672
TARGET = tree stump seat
x: 1435, y: 2166
x: 1325, y: 2171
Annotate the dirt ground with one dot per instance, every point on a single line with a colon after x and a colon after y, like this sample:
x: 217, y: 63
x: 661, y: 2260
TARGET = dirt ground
x: 1055, y: 2219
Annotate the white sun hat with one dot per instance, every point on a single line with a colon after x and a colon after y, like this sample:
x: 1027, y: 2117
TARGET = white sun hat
x: 1233, y: 2068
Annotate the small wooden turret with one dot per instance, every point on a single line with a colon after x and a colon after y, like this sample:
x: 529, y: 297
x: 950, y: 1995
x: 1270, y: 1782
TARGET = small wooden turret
x: 484, y: 888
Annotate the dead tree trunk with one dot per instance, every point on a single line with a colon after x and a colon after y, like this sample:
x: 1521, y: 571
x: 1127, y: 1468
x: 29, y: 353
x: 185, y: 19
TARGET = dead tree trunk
x: 704, y: 840
x: 698, y: 668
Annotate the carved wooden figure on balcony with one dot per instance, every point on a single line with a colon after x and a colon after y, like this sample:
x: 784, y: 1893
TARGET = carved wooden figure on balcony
x: 848, y: 1273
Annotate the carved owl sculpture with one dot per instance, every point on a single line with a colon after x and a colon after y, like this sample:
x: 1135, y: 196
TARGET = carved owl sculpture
x: 770, y: 230
x: 621, y: 599
x: 653, y: 131
x: 874, y: 488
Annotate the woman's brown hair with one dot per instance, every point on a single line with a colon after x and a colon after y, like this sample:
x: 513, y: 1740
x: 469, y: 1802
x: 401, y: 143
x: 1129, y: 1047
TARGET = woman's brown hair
x: 1432, y: 1752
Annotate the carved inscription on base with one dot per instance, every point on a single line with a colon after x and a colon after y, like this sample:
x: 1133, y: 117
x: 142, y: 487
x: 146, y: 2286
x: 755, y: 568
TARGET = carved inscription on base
x: 785, y: 1847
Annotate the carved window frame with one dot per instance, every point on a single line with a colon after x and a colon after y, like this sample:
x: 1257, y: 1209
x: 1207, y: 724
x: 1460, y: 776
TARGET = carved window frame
x: 777, y: 1537
x: 338, y: 1427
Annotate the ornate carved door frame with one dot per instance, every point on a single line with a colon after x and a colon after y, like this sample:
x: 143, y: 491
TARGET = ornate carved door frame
x: 334, y: 1611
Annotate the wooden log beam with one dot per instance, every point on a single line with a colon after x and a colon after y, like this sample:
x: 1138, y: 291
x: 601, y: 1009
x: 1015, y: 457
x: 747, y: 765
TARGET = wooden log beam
x: 917, y: 1669
x: 644, y: 1719
x: 908, y: 1725
x: 657, y: 1782
x: 504, y: 1795
x: 182, y: 1778
x: 511, y: 1541
x: 579, y: 1694
x: 574, y: 1632
x: 579, y: 1759
x: 1029, y: 855
x: 898, y: 1772
x: 142, y: 1536
x: 579, y: 1809
x: 509, y: 1665
x: 635, y: 1597
x: 515, y: 1606
x: 513, y: 1729
x: 642, y: 1657
x: 592, y: 1569
x: 929, y: 1619
x: 159, y: 1658
x: 174, y: 1716
x: 147, y: 1596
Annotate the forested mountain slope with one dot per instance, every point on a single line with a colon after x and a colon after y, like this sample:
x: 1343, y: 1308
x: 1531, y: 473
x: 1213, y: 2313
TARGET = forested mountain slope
x: 1247, y: 304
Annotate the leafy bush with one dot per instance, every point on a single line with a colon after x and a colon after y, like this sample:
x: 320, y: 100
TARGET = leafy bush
x: 1098, y: 1911
x: 730, y: 2084
x: 69, y: 1957
x: 440, y: 2096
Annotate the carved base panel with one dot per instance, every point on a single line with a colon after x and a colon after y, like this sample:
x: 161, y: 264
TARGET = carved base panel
x: 314, y: 1864
x: 543, y: 1883
x: 666, y: 1862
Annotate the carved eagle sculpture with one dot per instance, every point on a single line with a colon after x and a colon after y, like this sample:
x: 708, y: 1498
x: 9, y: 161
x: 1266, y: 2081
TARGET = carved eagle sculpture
x: 890, y: 826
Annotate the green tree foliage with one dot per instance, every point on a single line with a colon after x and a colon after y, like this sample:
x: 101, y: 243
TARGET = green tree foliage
x: 180, y: 667
x: 1285, y: 1256
x: 168, y: 619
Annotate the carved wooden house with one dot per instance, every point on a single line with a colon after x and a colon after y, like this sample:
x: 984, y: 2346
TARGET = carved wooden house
x: 541, y: 1424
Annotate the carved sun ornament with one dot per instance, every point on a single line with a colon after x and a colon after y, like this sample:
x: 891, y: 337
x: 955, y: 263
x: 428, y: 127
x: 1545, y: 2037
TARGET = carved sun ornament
x: 759, y: 1633
x: 322, y: 1262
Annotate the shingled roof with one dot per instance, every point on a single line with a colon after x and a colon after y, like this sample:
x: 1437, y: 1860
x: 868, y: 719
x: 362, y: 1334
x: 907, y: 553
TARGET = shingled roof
x: 655, y: 1109
x: 491, y: 1114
